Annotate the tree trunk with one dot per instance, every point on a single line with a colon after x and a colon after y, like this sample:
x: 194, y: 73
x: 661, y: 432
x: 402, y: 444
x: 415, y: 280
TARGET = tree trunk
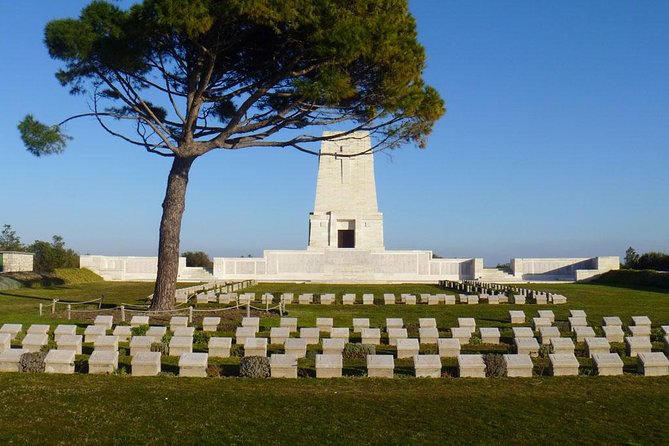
x: 170, y: 232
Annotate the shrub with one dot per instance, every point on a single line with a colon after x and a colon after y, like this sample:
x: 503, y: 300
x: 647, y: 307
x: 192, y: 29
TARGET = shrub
x: 545, y: 350
x: 200, y: 337
x: 254, y: 367
x: 474, y: 340
x: 236, y: 350
x: 494, y: 365
x: 139, y: 331
x: 162, y: 347
x: 32, y: 362
x: 358, y: 351
x: 214, y: 370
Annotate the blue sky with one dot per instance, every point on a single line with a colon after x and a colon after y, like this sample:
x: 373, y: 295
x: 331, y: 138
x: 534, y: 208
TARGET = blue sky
x: 555, y: 144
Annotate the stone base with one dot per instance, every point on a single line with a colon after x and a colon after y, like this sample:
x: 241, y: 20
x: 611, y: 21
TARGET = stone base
x: 146, y: 364
x: 59, y: 361
x: 9, y: 359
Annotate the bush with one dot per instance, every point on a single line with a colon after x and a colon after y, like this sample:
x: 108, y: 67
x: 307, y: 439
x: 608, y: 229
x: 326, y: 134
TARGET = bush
x: 32, y: 362
x: 200, y: 337
x: 494, y: 365
x: 631, y: 279
x: 545, y: 350
x: 475, y: 340
x: 236, y: 350
x: 139, y: 331
x: 162, y: 347
x: 358, y: 351
x: 254, y: 367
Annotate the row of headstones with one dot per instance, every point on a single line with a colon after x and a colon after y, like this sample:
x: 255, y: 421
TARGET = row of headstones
x: 388, y: 299
x: 331, y: 365
x: 183, y: 294
x: 475, y: 287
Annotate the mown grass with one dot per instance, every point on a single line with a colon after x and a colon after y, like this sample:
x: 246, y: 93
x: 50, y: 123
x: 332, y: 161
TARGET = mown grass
x: 124, y: 410
x: 85, y: 409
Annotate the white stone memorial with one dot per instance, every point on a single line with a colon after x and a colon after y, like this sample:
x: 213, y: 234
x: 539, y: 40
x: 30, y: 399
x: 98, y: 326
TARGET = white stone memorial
x: 140, y: 344
x: 582, y: 333
x: 596, y: 345
x: 548, y: 333
x: 102, y: 362
x: 562, y: 345
x: 182, y: 332
x: 462, y: 334
x: 278, y: 335
x: 193, y: 365
x: 180, y: 345
x: 156, y: 332
x: 607, y: 364
x: 613, y: 333
x: 255, y: 347
x: 448, y: 347
x: 359, y: 324
x: 563, y: 364
x: 428, y: 335
x: 637, y: 344
x: 145, y: 364
x: 489, y: 335
x: 427, y: 322
x: 253, y: 322
x: 10, y: 359
x: 340, y: 333
x: 526, y: 346
x: 34, y: 342
x: 70, y: 342
x: 329, y: 366
x: 652, y: 364
x: 471, y: 366
x: 61, y: 330
x: 289, y: 322
x: 518, y: 365
x: 368, y: 299
x: 611, y: 321
x: 283, y: 366
x: 371, y: 336
x: 92, y: 332
x: 333, y: 346
x: 136, y: 321
x: 380, y: 366
x: 310, y: 334
x: 210, y: 323
x: 394, y: 322
x: 407, y: 347
x: 104, y: 321
x: 396, y: 333
x: 522, y: 332
x: 427, y: 366
x: 548, y: 314
x: 59, y: 361
x: 12, y: 329
x: 178, y: 321
x: 242, y: 334
x: 517, y: 316
x: 348, y: 299
x: 324, y: 324
x: 106, y: 343
x: 38, y: 329
x: 5, y: 342
x: 295, y: 347
x: 219, y: 347
x: 123, y: 332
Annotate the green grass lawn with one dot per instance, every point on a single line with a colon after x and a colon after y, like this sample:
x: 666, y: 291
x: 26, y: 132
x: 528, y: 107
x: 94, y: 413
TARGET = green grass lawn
x: 82, y: 409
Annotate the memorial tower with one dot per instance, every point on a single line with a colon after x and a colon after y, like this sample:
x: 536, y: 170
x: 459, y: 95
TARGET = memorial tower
x: 346, y: 215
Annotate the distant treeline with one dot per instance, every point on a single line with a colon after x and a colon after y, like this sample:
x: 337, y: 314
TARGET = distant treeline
x: 48, y: 255
x: 635, y: 279
x: 657, y: 261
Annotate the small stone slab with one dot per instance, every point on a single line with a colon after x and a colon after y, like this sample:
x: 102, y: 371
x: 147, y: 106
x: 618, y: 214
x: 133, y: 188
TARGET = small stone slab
x: 266, y: 298
x: 448, y: 347
x: 278, y: 335
x: 305, y: 299
x: 541, y: 299
x: 472, y: 300
x: 70, y: 342
x: 328, y: 366
x: 123, y: 332
x: 547, y: 333
x: 92, y: 332
x: 637, y: 344
x: 611, y: 321
x: 102, y: 362
x: 104, y: 321
x: 563, y: 364
x: 5, y: 341
x: 242, y: 334
x: 368, y: 299
x: 539, y: 322
x: 61, y: 330
x: 526, y: 346
x: 12, y: 329
x: 359, y: 324
x: 34, y: 342
x: 324, y: 324
x: 10, y: 358
x: 283, y: 366
x: 518, y: 365
x: 522, y: 332
x: 471, y: 366
x: 614, y: 333
x: 311, y: 334
x: 136, y: 321
x: 139, y: 344
x: 467, y: 322
x: 559, y: 299
x: 448, y: 299
x: 38, y: 329
x: 562, y: 345
x: 428, y: 335
x: 578, y: 313
x: 255, y: 347
x: 380, y: 366
x: 519, y: 299
x: 652, y: 364
x: 389, y: 299
x: 184, y: 331
x: 607, y: 364
x: 296, y: 347
x: 327, y: 299
x: 410, y: 300
x: 340, y: 333
x: 394, y: 322
x: 433, y: 300
x: 427, y: 322
x: 145, y: 364
x: 517, y: 316
x: 106, y: 343
x: 289, y: 322
x: 493, y: 299
x: 210, y: 323
x: 219, y: 347
x: 641, y: 321
x: 582, y: 333
x: 287, y: 298
x: 407, y: 347
x: 59, y: 361
x: 178, y: 321
x: 462, y: 334
x: 576, y: 321
x: 348, y: 299
x: 371, y: 336
x: 427, y: 366
x: 396, y: 333
x: 639, y: 330
x: 157, y: 332
x: 180, y: 345
x: 548, y: 314
x: 596, y: 345
x: 489, y: 335
x: 193, y: 365
x: 333, y: 346
x: 251, y: 322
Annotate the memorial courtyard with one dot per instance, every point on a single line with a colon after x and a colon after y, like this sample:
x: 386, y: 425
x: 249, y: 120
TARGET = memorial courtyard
x: 120, y: 408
